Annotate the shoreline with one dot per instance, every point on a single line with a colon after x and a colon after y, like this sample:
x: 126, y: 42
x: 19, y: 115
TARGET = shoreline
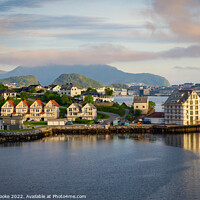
x: 37, y: 134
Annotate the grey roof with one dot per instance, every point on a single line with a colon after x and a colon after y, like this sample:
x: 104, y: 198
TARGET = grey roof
x: 68, y: 86
x: 178, y: 97
x: 90, y: 93
x: 140, y: 99
x: 6, y: 91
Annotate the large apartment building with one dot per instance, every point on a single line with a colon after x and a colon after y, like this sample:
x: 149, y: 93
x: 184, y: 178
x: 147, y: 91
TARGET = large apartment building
x: 182, y: 108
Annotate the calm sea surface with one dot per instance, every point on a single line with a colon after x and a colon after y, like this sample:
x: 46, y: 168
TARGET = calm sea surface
x: 129, y: 101
x: 104, y: 167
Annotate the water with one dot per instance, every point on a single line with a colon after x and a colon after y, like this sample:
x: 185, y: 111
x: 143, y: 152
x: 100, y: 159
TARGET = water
x: 104, y: 167
x: 157, y: 99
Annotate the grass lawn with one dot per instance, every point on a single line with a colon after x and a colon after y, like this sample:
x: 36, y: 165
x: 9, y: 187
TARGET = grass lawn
x: 15, y: 130
x: 36, y: 123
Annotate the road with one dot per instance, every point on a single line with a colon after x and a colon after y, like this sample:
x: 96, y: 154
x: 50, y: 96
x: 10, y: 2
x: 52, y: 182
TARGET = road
x: 112, y: 116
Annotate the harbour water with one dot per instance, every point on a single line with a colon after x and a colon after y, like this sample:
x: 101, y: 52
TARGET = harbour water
x: 104, y: 167
x: 159, y: 100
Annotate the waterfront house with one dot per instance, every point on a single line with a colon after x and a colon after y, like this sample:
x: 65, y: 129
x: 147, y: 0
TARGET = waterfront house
x: 5, y: 93
x: 37, y: 111
x: 70, y: 90
x: 182, y: 108
x: 8, y: 108
x: 11, y: 122
x: 141, y: 103
x: 76, y: 110
x: 23, y: 108
x: 51, y: 110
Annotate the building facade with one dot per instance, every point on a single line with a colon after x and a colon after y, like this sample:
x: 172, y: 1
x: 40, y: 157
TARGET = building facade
x: 182, y: 108
x: 76, y: 110
x: 70, y: 90
x: 5, y: 93
x: 141, y: 103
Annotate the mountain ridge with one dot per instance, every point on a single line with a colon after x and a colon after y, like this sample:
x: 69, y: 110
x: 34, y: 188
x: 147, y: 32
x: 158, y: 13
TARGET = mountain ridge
x: 103, y: 73
x: 78, y: 80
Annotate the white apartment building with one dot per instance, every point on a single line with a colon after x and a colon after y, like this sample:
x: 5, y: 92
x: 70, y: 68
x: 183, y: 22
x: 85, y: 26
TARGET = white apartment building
x: 182, y: 108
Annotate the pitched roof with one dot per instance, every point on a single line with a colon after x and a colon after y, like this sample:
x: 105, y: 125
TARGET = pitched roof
x: 91, y: 105
x: 12, y: 103
x: 178, y: 97
x: 76, y: 105
x: 156, y: 115
x: 55, y: 103
x: 40, y: 102
x: 140, y: 99
x: 6, y: 91
x: 68, y: 86
x: 26, y: 103
x: 90, y: 93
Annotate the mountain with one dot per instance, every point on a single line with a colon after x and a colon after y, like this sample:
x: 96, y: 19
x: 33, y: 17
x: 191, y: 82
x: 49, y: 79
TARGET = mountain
x: 102, y: 73
x: 77, y: 79
x: 2, y: 72
x: 20, y: 80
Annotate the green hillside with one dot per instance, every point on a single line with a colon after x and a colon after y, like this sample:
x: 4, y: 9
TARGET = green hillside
x: 20, y: 80
x: 77, y: 79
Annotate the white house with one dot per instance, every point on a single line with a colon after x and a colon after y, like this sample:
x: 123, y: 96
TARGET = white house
x: 141, y: 103
x: 70, y: 90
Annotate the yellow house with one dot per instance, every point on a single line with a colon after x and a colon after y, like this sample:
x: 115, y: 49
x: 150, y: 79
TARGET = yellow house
x: 23, y: 108
x: 8, y: 108
x: 76, y: 110
x: 51, y: 110
x: 141, y: 103
x: 37, y: 111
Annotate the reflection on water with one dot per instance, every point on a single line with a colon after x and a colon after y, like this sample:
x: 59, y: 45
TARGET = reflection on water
x: 187, y: 141
x: 104, y: 167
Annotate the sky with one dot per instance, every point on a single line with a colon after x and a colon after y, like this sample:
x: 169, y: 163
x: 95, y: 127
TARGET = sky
x: 137, y: 36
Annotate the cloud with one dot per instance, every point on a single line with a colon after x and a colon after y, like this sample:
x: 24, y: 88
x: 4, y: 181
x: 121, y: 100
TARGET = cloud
x: 6, y: 5
x: 68, y: 26
x: 102, y: 54
x: 186, y: 68
x: 181, y: 16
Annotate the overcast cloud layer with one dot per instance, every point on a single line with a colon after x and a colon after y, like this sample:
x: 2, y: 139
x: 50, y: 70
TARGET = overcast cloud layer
x: 159, y: 36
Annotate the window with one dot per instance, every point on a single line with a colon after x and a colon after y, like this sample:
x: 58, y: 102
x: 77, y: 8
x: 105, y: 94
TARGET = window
x: 136, y: 106
x: 12, y: 122
x: 191, y: 112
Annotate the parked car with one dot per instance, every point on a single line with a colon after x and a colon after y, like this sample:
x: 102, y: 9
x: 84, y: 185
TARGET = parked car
x: 70, y: 123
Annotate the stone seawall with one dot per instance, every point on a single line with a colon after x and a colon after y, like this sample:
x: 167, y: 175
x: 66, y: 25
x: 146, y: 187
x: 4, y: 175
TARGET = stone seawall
x: 37, y: 134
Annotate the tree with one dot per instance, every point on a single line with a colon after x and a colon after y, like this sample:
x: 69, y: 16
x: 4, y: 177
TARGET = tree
x: 65, y: 100
x: 88, y: 99
x: 32, y: 90
x: 137, y: 112
x: 2, y: 101
x: 24, y: 95
x: 91, y: 89
x: 152, y: 104
x: 108, y: 91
